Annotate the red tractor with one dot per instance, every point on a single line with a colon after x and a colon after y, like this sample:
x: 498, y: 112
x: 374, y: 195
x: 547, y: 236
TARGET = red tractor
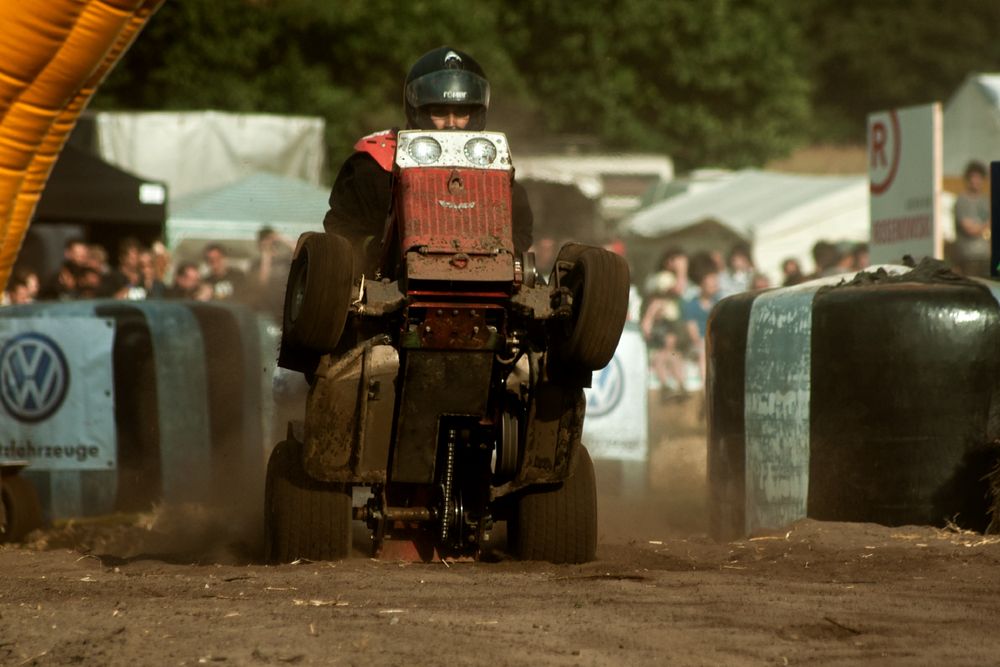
x: 450, y: 381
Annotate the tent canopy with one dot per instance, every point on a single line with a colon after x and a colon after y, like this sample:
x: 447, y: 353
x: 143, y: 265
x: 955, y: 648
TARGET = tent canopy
x: 971, y: 123
x: 782, y: 215
x: 193, y: 151
x: 84, y: 189
x: 234, y: 213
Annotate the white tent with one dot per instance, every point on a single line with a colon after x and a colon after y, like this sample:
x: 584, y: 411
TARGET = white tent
x: 972, y: 123
x: 781, y: 215
x: 199, y: 150
x: 595, y: 175
x: 233, y: 214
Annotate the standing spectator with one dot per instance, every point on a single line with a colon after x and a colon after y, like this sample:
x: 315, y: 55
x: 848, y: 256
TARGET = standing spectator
x: 860, y: 254
x: 666, y: 336
x: 760, y: 281
x: 97, y: 258
x: 90, y: 284
x: 696, y: 310
x: 29, y: 278
x: 125, y: 282
x: 161, y: 261
x: 791, y: 272
x: 675, y: 261
x: 738, y: 273
x: 76, y: 252
x: 22, y: 288
x: 155, y: 288
x: 187, y: 284
x: 972, y: 224
x: 269, y: 272
x: 226, y: 282
x: 62, y: 285
x: 827, y: 258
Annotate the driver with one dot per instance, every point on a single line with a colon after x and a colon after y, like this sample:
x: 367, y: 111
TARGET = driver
x: 446, y: 89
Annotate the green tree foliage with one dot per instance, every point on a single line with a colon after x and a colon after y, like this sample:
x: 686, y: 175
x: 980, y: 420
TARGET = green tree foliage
x: 865, y: 56
x: 342, y: 60
x: 710, y: 82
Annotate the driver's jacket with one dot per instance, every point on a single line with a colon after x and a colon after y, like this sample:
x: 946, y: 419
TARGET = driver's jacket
x: 362, y: 194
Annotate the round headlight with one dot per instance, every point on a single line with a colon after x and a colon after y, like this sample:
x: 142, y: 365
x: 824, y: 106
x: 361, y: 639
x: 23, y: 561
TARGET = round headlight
x: 424, y: 150
x: 480, y: 152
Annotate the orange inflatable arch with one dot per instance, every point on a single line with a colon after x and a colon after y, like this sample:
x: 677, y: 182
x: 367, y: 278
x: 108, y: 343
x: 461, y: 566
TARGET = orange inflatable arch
x: 53, y: 56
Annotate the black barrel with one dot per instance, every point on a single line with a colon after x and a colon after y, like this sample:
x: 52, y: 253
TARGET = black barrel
x: 902, y: 398
x: 904, y: 384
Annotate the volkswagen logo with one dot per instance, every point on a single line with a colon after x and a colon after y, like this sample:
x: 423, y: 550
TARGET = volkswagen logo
x: 34, y: 377
x: 606, y: 391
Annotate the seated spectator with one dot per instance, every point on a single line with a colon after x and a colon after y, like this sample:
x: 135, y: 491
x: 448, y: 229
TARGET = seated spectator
x: 226, y: 282
x: 666, y: 336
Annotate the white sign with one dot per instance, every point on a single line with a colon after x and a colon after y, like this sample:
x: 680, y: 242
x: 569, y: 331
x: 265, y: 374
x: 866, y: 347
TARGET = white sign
x: 56, y: 392
x: 616, y: 424
x: 904, y: 170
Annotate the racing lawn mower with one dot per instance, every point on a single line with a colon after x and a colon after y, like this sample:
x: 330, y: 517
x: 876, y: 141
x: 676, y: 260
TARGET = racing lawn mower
x: 449, y: 381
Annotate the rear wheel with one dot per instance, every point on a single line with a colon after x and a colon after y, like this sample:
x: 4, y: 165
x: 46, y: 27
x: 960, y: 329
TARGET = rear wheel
x: 559, y: 524
x: 599, y: 283
x: 318, y: 293
x: 21, y: 507
x: 304, y: 518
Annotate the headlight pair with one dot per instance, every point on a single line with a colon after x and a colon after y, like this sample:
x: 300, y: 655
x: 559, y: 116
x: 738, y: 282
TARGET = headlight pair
x: 478, y: 151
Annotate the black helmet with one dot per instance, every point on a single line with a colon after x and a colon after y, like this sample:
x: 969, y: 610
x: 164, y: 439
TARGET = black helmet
x: 446, y: 76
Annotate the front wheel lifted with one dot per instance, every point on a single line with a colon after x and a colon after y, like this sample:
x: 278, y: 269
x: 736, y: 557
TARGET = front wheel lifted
x: 318, y: 292
x: 599, y: 283
x: 304, y: 518
x: 559, y: 524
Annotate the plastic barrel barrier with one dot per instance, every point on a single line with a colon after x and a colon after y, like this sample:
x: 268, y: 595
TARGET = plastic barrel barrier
x: 873, y: 400
x: 171, y: 404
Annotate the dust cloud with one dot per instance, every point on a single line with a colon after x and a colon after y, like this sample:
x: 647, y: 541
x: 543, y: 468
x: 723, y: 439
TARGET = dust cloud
x: 669, y: 498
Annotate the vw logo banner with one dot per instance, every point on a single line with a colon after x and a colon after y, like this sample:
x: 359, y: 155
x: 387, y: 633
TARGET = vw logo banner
x: 615, y: 426
x: 56, y: 392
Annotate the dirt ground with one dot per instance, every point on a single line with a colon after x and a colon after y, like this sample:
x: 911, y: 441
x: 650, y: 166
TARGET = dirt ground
x: 181, y: 586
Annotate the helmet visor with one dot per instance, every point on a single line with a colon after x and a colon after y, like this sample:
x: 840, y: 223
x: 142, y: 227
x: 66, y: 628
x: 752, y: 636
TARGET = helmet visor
x: 450, y: 86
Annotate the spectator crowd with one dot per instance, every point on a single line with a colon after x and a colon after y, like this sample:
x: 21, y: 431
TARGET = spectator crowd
x: 679, y: 294
x: 148, y: 272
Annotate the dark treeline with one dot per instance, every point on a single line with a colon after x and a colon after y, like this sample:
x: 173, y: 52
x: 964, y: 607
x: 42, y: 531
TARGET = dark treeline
x: 710, y: 82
